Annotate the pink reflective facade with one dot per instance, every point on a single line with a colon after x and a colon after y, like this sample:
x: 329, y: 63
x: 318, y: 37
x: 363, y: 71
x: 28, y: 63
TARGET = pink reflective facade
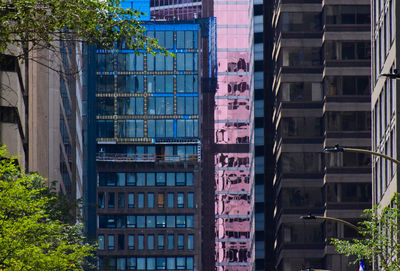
x: 233, y: 116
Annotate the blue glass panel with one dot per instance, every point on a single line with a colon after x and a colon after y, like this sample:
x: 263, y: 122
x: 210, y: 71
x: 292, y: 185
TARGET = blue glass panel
x: 104, y: 106
x: 160, y: 36
x: 188, y: 61
x: 169, y: 63
x: 150, y: 62
x: 171, y: 262
x: 180, y: 61
x: 141, y: 263
x: 180, y: 83
x: 160, y: 128
x: 140, y: 221
x: 105, y: 128
x: 169, y: 107
x: 151, y: 128
x: 169, y: 39
x: 139, y: 63
x: 169, y: 83
x: 169, y: 128
x: 160, y: 83
x: 151, y: 83
x: 170, y: 179
x: 180, y: 39
x: 105, y: 84
x: 151, y: 263
x: 151, y: 179
x: 160, y: 62
x: 188, y: 39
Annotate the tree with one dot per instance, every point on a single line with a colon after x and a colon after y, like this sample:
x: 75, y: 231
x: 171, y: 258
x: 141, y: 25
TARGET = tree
x: 378, y: 240
x: 35, y: 24
x: 32, y: 236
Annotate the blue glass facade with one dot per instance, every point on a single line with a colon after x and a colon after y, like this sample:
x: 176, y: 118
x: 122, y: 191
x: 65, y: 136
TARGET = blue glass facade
x: 147, y: 119
x: 140, y: 5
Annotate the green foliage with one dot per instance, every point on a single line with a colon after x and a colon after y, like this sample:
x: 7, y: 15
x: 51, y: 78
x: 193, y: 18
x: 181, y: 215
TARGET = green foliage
x: 378, y: 237
x: 43, y: 22
x: 31, y: 235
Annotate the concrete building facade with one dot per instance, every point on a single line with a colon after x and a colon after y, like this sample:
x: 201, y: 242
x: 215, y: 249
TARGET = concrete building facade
x: 321, y: 86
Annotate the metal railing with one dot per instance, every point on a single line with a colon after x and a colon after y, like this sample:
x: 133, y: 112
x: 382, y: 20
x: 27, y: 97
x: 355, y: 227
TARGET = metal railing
x: 117, y: 157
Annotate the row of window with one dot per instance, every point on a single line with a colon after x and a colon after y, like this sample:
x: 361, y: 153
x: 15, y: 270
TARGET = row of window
x: 154, y: 83
x: 146, y: 179
x: 155, y: 105
x: 146, y: 221
x: 128, y: 200
x: 163, y: 128
x: 146, y: 263
x: 131, y: 62
x: 148, y: 242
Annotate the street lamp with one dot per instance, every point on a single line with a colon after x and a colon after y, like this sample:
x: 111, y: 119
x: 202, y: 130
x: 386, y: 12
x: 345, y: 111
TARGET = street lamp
x: 338, y: 148
x: 312, y: 217
x: 395, y: 75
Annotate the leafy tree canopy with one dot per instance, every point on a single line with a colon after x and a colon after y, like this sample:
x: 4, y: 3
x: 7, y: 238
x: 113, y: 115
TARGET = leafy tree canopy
x: 379, y: 237
x: 43, y: 22
x: 32, y: 236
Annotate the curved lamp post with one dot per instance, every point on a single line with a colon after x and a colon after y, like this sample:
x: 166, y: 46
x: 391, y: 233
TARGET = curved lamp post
x: 338, y: 148
x: 312, y: 217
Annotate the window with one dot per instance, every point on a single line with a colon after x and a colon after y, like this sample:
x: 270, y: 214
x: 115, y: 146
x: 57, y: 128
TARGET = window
x: 130, y: 179
x: 111, y: 242
x: 170, y: 221
x: 140, y: 241
x: 187, y: 128
x: 150, y: 241
x: 187, y: 83
x: 131, y: 241
x: 189, y: 221
x: 160, y: 200
x: 170, y: 200
x: 160, y: 242
x: 150, y: 200
x: 130, y: 221
x: 171, y: 263
x: 131, y: 263
x: 121, y: 242
x: 121, y: 263
x: 160, y: 105
x: 130, y: 128
x: 131, y: 200
x: 171, y: 245
x: 121, y: 200
x: 151, y: 263
x: 161, y: 263
x: 140, y: 200
x: 190, y: 200
x: 104, y: 106
x: 160, y: 179
x: 150, y: 221
x: 141, y: 179
x: 105, y: 128
x: 187, y: 105
x: 130, y: 105
x: 170, y: 179
x: 180, y: 263
x: 180, y: 221
x: 180, y: 200
x: 160, y: 128
x: 180, y: 179
x: 140, y: 221
x: 160, y: 223
x: 181, y: 241
x: 100, y: 240
x: 190, y: 241
x: 130, y: 83
x: 111, y: 200
x: 141, y: 263
x: 100, y: 200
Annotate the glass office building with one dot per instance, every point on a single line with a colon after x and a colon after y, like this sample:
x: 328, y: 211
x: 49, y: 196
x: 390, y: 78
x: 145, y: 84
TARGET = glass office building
x: 148, y: 151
